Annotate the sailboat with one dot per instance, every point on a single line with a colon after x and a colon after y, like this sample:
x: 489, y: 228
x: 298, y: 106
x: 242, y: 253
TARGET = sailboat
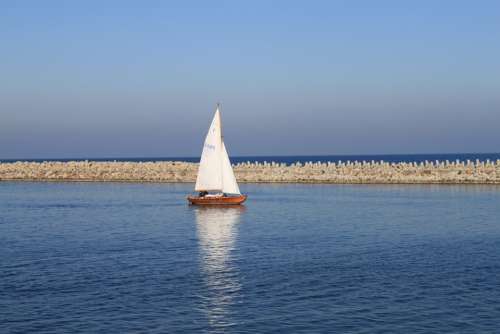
x: 215, y: 173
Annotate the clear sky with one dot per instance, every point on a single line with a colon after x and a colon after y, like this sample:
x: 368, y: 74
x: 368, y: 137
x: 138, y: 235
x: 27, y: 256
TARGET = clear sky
x: 141, y: 78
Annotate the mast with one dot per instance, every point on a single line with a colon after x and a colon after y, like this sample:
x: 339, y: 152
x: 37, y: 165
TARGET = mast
x: 217, y: 107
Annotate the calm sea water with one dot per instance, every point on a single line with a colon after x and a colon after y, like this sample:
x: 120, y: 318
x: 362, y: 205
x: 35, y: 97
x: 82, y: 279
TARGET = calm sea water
x: 289, y: 159
x: 115, y: 258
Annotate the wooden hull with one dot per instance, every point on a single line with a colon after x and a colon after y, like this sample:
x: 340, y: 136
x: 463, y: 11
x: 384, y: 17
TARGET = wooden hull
x: 223, y: 200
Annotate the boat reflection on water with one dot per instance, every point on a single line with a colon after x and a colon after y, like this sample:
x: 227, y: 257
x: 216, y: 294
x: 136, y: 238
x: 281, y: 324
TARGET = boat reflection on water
x: 217, y: 229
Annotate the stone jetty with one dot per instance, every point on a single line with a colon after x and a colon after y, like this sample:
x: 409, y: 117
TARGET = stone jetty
x: 342, y: 172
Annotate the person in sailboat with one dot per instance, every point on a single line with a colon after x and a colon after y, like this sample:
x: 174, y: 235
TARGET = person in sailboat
x: 203, y: 193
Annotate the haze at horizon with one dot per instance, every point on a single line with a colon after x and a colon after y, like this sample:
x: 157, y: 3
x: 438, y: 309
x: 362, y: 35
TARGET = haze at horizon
x: 125, y: 80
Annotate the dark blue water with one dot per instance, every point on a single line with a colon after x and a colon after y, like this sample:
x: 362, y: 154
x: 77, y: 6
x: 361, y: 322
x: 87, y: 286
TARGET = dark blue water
x: 307, y: 158
x: 115, y: 258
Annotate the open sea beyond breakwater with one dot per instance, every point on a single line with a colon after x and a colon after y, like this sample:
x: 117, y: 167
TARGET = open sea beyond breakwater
x: 290, y: 159
x: 298, y: 258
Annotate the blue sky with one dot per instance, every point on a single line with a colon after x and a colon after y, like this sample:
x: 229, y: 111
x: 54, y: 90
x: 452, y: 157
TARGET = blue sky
x: 128, y: 79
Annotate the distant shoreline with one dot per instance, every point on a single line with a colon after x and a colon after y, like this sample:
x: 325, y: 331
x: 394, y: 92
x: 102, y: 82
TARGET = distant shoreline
x: 353, y: 172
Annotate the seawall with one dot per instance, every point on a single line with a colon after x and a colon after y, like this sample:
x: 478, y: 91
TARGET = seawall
x: 356, y: 172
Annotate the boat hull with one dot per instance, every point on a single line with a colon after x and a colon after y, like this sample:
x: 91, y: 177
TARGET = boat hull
x: 223, y: 200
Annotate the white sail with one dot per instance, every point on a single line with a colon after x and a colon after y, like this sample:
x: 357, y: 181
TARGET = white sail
x: 210, y: 169
x: 229, y: 184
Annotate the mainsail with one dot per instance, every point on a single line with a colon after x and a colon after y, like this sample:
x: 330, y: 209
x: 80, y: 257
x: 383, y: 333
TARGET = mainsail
x: 215, y: 172
x: 210, y: 169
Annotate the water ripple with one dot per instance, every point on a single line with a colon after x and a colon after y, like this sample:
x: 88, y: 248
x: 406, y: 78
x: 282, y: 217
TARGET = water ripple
x: 120, y: 258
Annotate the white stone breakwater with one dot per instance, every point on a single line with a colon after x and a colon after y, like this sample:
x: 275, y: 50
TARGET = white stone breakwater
x: 356, y: 172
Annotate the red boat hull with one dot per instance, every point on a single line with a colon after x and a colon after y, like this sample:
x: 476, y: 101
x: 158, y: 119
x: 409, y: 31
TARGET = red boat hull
x: 223, y: 200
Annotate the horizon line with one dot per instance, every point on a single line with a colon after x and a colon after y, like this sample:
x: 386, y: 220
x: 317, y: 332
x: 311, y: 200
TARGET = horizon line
x: 243, y: 156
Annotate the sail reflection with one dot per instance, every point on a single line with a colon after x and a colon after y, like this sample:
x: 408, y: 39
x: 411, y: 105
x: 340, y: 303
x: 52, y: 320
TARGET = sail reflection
x: 217, y: 230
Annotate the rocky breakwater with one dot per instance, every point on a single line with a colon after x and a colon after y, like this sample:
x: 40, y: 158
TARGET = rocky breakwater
x: 99, y: 171
x: 435, y: 172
